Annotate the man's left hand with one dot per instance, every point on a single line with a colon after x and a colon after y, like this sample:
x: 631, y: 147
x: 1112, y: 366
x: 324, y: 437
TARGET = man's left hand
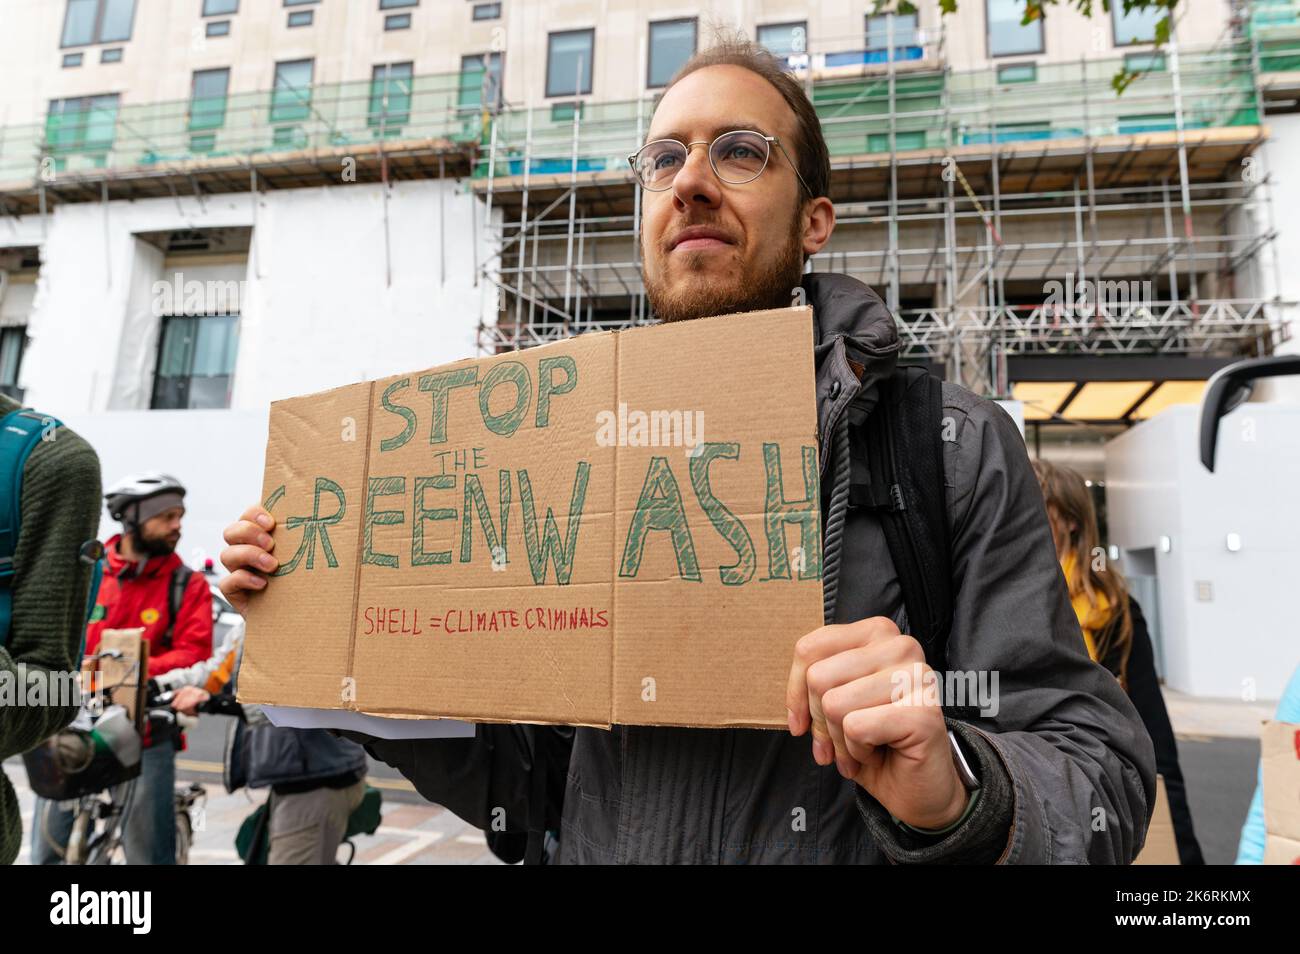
x: 862, y: 688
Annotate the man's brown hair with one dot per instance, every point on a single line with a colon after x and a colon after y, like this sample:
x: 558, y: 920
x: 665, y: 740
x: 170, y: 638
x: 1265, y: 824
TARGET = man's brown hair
x: 809, y: 150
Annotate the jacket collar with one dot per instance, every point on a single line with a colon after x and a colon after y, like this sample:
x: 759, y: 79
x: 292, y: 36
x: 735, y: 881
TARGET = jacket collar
x: 855, y: 348
x: 119, y: 566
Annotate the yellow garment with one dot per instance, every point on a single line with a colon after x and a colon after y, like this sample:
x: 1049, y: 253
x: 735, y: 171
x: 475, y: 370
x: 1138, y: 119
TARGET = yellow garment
x: 1092, y: 617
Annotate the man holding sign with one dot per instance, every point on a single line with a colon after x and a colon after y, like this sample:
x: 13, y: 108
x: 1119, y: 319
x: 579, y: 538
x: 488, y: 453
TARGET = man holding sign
x: 1051, y: 765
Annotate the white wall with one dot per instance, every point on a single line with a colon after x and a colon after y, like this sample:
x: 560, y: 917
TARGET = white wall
x: 1247, y: 635
x: 318, y: 311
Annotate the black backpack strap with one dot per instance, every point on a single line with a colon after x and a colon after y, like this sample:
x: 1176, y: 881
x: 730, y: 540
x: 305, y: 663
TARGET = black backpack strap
x: 535, y: 851
x: 897, y: 468
x: 175, y: 596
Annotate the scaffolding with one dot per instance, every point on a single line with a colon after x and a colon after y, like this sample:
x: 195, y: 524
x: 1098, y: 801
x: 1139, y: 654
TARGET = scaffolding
x: 960, y: 196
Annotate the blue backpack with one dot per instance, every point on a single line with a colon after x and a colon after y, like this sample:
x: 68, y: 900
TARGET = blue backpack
x: 20, y: 432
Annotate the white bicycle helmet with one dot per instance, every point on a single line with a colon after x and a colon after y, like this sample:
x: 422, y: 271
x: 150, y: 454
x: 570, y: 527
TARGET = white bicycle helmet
x: 125, y: 496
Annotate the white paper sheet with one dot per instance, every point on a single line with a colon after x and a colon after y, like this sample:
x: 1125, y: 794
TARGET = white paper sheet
x: 293, y: 717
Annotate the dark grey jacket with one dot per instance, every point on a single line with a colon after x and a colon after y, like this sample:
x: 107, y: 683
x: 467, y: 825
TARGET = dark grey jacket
x: 278, y: 755
x: 1067, y: 769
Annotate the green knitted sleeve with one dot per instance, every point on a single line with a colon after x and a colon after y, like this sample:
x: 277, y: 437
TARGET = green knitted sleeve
x: 60, y: 512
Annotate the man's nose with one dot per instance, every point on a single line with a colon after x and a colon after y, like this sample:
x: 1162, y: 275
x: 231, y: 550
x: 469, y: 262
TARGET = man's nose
x: 696, y: 183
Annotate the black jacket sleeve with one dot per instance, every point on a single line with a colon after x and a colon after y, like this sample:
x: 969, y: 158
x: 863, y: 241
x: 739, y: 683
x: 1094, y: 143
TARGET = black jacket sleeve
x: 508, y: 778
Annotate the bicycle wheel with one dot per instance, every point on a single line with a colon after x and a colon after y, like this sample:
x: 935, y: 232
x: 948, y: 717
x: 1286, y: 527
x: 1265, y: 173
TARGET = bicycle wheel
x: 105, y: 845
x: 184, y: 835
x: 79, y: 848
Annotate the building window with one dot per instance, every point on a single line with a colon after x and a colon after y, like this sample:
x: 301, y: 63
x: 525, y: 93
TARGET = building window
x: 97, y: 21
x: 207, y: 107
x: 784, y: 40
x: 1146, y: 122
x: 397, y: 4
x: 672, y: 43
x: 487, y: 11
x: 301, y: 18
x: 71, y: 59
x: 568, y: 62
x: 12, y: 342
x: 1007, y: 35
x: 220, y: 8
x: 81, y: 124
x: 390, y: 97
x: 1153, y: 62
x: 1135, y: 26
x: 218, y: 28
x: 291, y: 97
x: 1012, y: 132
x: 480, y: 82
x: 1018, y: 73
x: 299, y: 3
x: 398, y: 21
x: 906, y: 44
x: 879, y: 142
x: 196, y: 361
x: 111, y: 56
x: 565, y: 112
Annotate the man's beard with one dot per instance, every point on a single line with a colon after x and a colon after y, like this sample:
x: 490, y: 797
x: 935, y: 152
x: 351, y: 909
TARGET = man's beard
x: 770, y: 288
x: 155, y: 547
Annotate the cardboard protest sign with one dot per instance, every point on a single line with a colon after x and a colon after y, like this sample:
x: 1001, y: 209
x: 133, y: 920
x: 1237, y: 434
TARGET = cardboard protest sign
x: 617, y: 528
x: 1279, y: 757
x: 122, y: 672
x: 1161, y: 845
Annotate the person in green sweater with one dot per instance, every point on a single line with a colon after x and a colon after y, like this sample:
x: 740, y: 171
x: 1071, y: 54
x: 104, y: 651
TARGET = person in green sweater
x: 60, y: 512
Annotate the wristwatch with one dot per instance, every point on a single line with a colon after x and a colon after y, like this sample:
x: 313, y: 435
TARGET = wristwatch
x: 964, y: 771
x: 968, y: 781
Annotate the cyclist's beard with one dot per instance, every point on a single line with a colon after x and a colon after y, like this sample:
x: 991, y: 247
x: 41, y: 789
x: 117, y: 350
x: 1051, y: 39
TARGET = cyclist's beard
x: 768, y: 287
x: 156, y: 547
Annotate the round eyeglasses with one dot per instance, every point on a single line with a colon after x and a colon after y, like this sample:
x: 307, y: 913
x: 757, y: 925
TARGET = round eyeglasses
x: 737, y: 157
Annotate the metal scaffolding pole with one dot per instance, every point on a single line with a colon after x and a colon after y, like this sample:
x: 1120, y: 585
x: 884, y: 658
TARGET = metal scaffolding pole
x: 636, y: 304
x: 893, y: 168
x: 573, y: 181
x: 1169, y: 238
x: 1059, y: 199
x: 1091, y: 181
x: 1188, y: 229
x: 523, y: 222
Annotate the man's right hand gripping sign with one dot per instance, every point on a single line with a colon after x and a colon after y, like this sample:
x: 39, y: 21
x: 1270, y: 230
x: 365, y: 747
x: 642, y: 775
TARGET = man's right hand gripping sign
x: 248, y: 556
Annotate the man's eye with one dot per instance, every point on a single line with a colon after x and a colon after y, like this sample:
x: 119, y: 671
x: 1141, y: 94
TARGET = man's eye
x: 741, y: 151
x: 664, y: 160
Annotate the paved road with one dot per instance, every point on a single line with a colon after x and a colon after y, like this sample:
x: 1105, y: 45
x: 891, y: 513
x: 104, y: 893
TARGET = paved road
x: 1220, y: 775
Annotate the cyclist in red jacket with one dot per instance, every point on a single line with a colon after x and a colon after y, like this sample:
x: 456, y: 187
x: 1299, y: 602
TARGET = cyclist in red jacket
x: 145, y: 578
x: 146, y: 585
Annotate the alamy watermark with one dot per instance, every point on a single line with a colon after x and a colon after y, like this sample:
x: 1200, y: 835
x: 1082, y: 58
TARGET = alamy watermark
x: 960, y: 688
x: 194, y: 297
x: 1088, y: 298
x: 31, y: 686
x: 656, y: 428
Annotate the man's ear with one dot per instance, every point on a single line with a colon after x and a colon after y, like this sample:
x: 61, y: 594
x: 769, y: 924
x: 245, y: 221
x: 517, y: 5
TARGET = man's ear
x: 819, y: 222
